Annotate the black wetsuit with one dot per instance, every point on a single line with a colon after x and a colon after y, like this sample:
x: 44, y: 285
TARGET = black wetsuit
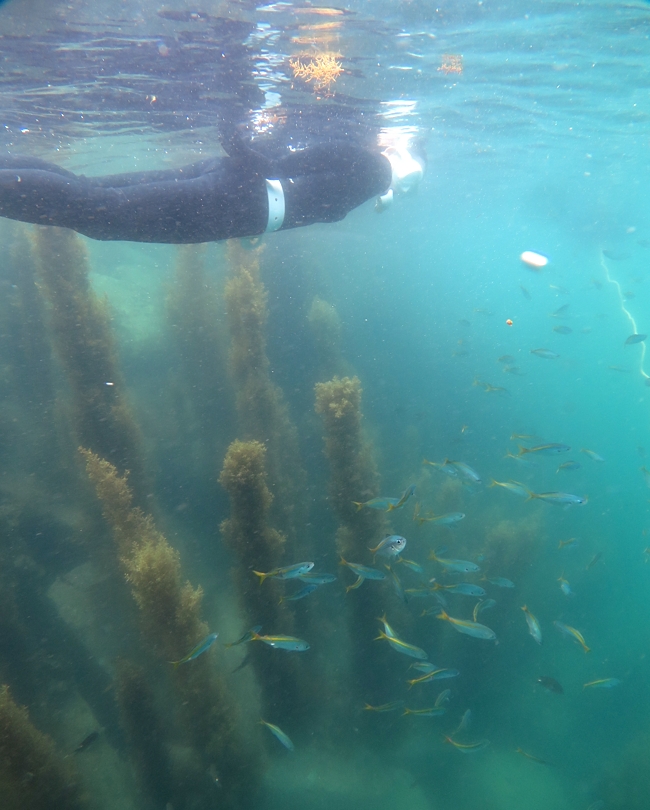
x: 204, y: 202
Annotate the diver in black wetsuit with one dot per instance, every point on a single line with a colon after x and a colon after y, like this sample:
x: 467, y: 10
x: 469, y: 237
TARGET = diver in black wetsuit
x: 242, y: 194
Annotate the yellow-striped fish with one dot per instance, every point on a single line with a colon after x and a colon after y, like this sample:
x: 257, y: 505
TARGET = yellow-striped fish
x: 405, y: 496
x: 200, y: 648
x: 385, y: 707
x: 512, y: 486
x: 473, y: 629
x: 403, y: 646
x: 531, y: 756
x: 381, y: 504
x: 287, y: 572
x: 533, y: 625
x: 429, y: 676
x: 545, y: 449
x: 288, y: 643
x: 442, y: 698
x: 571, y: 632
x: 602, y: 683
x: 467, y: 748
x: 278, y: 734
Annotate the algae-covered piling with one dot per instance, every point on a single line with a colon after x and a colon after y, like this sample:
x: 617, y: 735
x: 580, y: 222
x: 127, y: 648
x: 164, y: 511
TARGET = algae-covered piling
x: 144, y: 732
x: 170, y: 613
x: 204, y: 398
x: 261, y: 408
x: 354, y: 477
x: 32, y: 775
x: 326, y: 331
x: 83, y: 340
x: 258, y: 547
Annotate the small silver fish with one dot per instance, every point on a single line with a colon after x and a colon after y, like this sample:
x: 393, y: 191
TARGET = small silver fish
x: 533, y: 625
x: 363, y: 570
x: 397, y: 584
x: 287, y: 572
x: 403, y: 647
x: 317, y: 579
x: 562, y: 498
x: 405, y: 496
x: 385, y: 707
x: 571, y: 632
x: 279, y: 734
x: 458, y: 566
x: 248, y: 636
x: 200, y: 648
x: 546, y: 354
x: 465, y: 722
x: 464, y: 588
x: 381, y: 504
x: 448, y: 519
x: 593, y: 456
x: 391, y: 546
x: 602, y: 683
x: 501, y: 582
x: 424, y: 666
x: 473, y: 629
x: 545, y: 449
x: 416, y: 567
x: 288, y: 643
x: 567, y: 466
x: 464, y: 470
x: 512, y: 486
x: 484, y: 604
x: 418, y: 593
x: 442, y: 674
x: 310, y: 587
x: 387, y: 628
x: 442, y: 467
x: 442, y: 698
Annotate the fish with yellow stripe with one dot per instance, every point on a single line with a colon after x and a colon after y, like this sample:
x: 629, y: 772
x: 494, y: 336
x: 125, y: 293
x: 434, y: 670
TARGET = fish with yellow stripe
x: 571, y: 632
x: 468, y: 628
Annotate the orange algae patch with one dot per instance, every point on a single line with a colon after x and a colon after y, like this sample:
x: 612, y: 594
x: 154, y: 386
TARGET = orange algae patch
x: 322, y: 69
x: 451, y: 63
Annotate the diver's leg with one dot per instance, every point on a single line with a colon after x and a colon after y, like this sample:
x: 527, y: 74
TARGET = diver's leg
x: 22, y: 162
x: 189, y: 172
x: 216, y: 205
x: 40, y: 196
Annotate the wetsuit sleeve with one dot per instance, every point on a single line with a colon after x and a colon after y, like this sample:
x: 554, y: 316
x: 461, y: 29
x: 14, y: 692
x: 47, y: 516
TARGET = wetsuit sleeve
x: 323, y: 184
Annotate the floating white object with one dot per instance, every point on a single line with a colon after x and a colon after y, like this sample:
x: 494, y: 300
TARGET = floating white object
x: 534, y: 260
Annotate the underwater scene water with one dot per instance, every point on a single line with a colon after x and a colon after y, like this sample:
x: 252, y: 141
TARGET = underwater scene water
x: 465, y: 372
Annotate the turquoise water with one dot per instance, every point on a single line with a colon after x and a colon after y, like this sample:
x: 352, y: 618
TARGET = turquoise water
x: 539, y: 144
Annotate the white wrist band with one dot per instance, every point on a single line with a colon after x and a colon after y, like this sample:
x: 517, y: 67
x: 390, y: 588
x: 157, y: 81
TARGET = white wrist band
x: 276, y: 205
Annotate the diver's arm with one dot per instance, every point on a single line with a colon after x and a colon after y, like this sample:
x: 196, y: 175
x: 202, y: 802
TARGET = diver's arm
x: 325, y: 183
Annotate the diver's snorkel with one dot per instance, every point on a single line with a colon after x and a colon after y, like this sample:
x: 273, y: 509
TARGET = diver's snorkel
x: 407, y: 173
